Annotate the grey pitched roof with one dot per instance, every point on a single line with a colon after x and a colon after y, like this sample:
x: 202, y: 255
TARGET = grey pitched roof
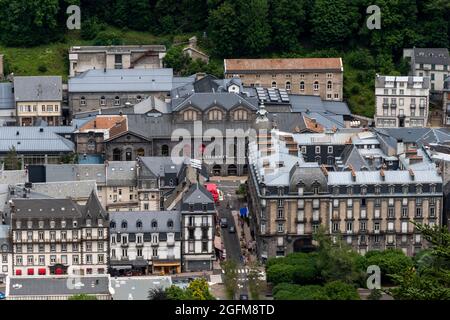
x: 303, y: 103
x: 121, y: 173
x: 38, y: 88
x: 432, y: 56
x: 159, y: 166
x: 420, y: 136
x: 152, y: 104
x: 197, y: 194
x: 203, y: 101
x: 6, y: 96
x: 161, y: 217
x: 75, y: 172
x: 46, y: 208
x: 73, y: 189
x: 57, y: 286
x: 126, y: 80
x: 31, y: 139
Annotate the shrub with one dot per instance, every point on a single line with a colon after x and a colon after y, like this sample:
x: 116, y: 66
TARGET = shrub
x: 279, y: 273
x: 338, y: 290
x: 360, y: 59
x: 42, y: 68
x: 107, y: 38
x: 390, y: 261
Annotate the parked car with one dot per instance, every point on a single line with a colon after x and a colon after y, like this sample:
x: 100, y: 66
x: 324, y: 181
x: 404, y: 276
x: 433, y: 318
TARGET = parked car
x: 232, y: 229
x: 243, y: 297
x: 223, y: 223
x: 2, y: 296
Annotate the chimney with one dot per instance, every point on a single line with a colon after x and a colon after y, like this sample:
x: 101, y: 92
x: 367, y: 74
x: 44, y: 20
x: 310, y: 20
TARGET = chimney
x: 95, y: 124
x: 383, y: 177
x: 411, y: 174
x: 324, y: 170
x: 200, y: 75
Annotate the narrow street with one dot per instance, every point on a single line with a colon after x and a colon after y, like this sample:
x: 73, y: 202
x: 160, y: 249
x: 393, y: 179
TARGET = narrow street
x: 231, y: 241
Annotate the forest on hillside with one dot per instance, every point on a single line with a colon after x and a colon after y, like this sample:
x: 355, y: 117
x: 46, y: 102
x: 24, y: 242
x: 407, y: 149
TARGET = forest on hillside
x: 245, y: 28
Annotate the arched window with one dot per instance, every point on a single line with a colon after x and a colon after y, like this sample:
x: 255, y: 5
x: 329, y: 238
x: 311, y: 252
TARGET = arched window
x: 117, y: 101
x: 165, y: 150
x: 91, y: 145
x: 170, y: 224
x: 139, y: 224
x: 302, y: 86
x: 215, y: 115
x: 329, y: 85
x: 117, y: 154
x: 240, y: 115
x: 124, y: 224
x: 112, y: 224
x: 274, y: 84
x: 316, y: 86
x: 83, y: 101
x: 288, y: 85
x: 154, y: 224
x: 128, y: 154
x: 140, y: 152
x: 103, y: 101
x: 190, y: 115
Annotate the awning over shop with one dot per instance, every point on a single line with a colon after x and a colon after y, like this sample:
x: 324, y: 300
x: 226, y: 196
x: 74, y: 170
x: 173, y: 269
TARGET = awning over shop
x: 30, y: 272
x: 218, y: 243
x: 42, y: 272
x: 127, y: 267
x: 18, y: 272
x: 58, y: 271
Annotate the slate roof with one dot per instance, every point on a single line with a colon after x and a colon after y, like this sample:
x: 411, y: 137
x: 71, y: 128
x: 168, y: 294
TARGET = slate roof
x: 422, y: 136
x: 38, y: 88
x: 126, y: 80
x: 132, y: 217
x: 121, y: 173
x: 31, y: 139
x: 73, y: 189
x: 159, y: 166
x: 75, y: 172
x: 197, y: 194
x: 225, y: 100
x: 57, y: 286
x: 304, y: 103
x: 432, y: 56
x: 6, y: 96
x: 391, y: 177
x: 46, y: 208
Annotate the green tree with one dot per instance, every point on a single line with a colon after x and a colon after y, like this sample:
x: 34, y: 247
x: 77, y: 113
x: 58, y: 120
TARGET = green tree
x: 254, y: 282
x: 287, y: 19
x: 333, y: 22
x: 82, y: 296
x: 29, y: 22
x: 90, y: 28
x: 108, y: 38
x: 255, y: 30
x: 176, y: 293
x: 336, y: 260
x: 280, y: 273
x: 431, y: 281
x: 133, y: 14
x: 285, y: 291
x: 157, y: 294
x: 390, y: 261
x: 198, y: 289
x: 230, y: 278
x: 12, y: 161
x: 338, y: 290
x: 177, y: 60
x: 224, y: 30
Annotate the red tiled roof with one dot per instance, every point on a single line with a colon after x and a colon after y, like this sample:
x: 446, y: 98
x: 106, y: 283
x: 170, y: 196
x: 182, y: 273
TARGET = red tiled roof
x: 283, y: 64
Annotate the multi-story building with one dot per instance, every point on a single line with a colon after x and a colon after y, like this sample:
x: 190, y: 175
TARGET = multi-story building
x: 38, y: 98
x: 86, y: 58
x: 369, y: 205
x: 51, y: 235
x: 401, y: 101
x: 7, y: 105
x: 198, y: 215
x: 307, y: 76
x: 430, y: 62
x: 5, y: 252
x: 145, y: 242
x: 446, y: 103
x: 106, y: 88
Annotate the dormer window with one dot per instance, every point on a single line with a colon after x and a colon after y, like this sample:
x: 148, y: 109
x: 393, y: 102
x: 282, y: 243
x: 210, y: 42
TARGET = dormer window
x: 124, y: 225
x: 240, y: 115
x: 215, y: 115
x: 83, y: 101
x: 170, y: 224
x: 154, y: 224
x: 112, y: 224
x: 88, y: 222
x: 139, y: 224
x: 52, y: 224
x: 63, y: 224
x: 30, y: 224
x: 103, y: 101
x: 190, y: 115
x: 117, y: 101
